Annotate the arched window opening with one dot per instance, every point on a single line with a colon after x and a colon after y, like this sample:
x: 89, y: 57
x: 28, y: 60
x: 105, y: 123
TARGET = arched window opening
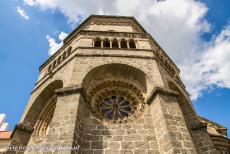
x: 115, y: 44
x: 64, y: 55
x: 106, y: 43
x: 54, y: 64
x: 49, y: 68
x: 69, y: 50
x: 123, y: 43
x: 59, y: 60
x: 132, y: 44
x: 97, y: 43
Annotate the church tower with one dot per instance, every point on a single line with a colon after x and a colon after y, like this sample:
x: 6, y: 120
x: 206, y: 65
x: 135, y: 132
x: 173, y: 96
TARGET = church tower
x: 111, y: 89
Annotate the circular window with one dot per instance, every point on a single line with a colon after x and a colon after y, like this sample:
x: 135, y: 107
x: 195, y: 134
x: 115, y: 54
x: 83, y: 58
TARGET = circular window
x: 115, y: 107
x: 116, y: 101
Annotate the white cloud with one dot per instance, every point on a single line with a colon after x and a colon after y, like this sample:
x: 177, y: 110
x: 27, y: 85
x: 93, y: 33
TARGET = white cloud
x: 212, y: 68
x: 176, y: 25
x: 55, y: 46
x: 30, y: 2
x: 22, y: 13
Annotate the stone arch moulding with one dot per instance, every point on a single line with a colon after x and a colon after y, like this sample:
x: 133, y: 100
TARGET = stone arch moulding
x: 21, y: 134
x: 142, y: 68
x: 40, y: 102
x: 184, y: 103
x: 115, y: 92
x: 195, y: 126
x: 41, y: 127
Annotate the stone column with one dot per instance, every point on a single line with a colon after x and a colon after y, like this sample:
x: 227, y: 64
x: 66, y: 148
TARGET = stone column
x: 128, y: 44
x: 136, y: 44
x: 171, y: 130
x: 110, y: 42
x: 62, y: 128
x: 119, y: 43
x: 102, y: 44
x: 93, y: 43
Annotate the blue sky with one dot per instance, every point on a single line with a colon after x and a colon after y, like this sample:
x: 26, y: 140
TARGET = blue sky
x: 25, y: 46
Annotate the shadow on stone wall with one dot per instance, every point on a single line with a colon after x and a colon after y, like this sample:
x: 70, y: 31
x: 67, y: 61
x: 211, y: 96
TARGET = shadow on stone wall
x: 90, y: 134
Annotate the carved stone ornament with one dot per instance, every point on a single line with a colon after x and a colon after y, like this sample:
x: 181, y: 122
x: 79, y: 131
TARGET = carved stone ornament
x: 116, y: 101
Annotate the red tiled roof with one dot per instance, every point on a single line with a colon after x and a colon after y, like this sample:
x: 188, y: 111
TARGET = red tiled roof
x: 5, y: 135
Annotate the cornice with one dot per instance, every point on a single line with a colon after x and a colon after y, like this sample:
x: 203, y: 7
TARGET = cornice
x: 69, y: 90
x: 159, y: 90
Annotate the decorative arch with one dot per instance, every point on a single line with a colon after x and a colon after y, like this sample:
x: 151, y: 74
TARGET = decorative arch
x: 42, y: 125
x: 185, y: 105
x: 41, y: 101
x: 115, y: 92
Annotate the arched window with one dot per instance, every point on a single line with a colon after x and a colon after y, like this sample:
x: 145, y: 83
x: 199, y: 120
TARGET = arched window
x: 123, y: 43
x: 64, y: 56
x: 59, y: 59
x: 106, y: 43
x: 97, y: 43
x: 132, y: 44
x: 49, y: 68
x: 54, y: 63
x: 115, y: 43
x: 69, y: 50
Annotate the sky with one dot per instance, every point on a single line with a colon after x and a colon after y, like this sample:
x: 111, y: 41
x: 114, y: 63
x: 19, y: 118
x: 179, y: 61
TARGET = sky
x: 195, y: 34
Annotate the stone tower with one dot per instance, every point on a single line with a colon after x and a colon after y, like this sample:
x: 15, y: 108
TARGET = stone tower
x: 111, y: 89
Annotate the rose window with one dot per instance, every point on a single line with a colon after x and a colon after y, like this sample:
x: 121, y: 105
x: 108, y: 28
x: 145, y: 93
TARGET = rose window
x: 115, y: 107
x: 116, y: 101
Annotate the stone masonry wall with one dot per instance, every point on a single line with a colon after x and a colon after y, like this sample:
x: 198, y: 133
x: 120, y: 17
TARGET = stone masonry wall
x: 99, y: 137
x: 171, y: 129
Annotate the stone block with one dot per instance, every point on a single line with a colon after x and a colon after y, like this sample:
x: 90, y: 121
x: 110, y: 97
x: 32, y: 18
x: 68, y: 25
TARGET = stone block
x: 114, y: 145
x: 127, y: 145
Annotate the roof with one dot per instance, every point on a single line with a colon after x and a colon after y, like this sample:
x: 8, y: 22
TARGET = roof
x: 212, y: 122
x: 5, y: 135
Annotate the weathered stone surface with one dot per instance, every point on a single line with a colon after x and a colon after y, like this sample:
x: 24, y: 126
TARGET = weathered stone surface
x: 127, y: 145
x: 114, y: 145
x: 66, y: 105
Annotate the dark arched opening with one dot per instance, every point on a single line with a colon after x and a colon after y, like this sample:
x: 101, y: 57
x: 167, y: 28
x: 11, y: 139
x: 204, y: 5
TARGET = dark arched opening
x: 97, y: 43
x: 115, y: 43
x: 132, y: 44
x: 64, y: 56
x: 106, y: 43
x: 123, y: 43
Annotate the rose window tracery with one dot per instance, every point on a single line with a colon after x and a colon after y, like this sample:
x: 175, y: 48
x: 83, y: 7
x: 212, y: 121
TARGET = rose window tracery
x: 115, y: 107
x: 116, y: 101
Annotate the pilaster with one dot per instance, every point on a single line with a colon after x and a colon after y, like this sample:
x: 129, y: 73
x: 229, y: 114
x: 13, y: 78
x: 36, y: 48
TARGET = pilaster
x: 171, y: 130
